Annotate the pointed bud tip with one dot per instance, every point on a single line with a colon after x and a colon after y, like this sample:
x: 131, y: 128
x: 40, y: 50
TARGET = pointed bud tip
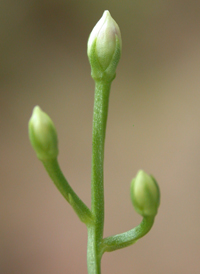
x: 104, y: 46
x: 145, y: 194
x: 42, y: 134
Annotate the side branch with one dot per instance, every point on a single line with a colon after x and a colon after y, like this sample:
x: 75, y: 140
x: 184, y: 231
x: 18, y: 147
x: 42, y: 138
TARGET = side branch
x: 54, y: 171
x: 127, y: 238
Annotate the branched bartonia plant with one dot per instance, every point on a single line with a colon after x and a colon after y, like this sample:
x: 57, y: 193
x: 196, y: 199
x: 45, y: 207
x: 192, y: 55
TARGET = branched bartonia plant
x: 104, y: 50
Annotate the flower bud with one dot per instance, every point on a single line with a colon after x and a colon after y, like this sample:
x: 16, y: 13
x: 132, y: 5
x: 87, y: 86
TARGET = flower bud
x: 42, y: 135
x: 104, y: 48
x: 145, y: 194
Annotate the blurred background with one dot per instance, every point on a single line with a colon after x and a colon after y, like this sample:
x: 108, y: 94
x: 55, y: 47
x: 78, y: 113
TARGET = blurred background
x: 153, y: 124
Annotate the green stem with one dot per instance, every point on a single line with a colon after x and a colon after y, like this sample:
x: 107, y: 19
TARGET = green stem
x: 53, y: 169
x: 128, y: 238
x: 95, y: 230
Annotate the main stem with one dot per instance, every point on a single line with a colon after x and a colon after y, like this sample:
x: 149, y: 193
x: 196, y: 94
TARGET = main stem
x: 95, y: 230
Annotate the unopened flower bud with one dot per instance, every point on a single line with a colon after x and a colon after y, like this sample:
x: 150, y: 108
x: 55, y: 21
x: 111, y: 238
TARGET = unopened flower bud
x: 145, y: 194
x: 42, y: 134
x: 104, y: 48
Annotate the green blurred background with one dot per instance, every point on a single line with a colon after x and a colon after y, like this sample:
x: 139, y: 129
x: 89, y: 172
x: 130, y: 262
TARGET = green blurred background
x: 43, y: 61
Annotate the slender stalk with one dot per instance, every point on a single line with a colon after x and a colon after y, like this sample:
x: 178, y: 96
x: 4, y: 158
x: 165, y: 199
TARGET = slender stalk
x: 128, y: 238
x: 54, y: 171
x: 95, y: 230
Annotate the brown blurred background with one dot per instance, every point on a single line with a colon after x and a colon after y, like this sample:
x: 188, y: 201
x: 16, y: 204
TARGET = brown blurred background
x: 43, y: 61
